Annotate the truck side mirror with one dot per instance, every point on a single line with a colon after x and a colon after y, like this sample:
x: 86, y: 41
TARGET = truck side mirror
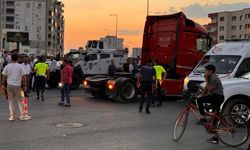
x: 199, y: 44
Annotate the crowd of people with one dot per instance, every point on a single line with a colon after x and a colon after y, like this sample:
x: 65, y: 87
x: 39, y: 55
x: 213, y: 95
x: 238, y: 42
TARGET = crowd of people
x: 21, y: 75
x: 149, y: 78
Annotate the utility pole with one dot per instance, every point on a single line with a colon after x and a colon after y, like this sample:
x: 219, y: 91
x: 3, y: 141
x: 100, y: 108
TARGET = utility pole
x: 147, y: 7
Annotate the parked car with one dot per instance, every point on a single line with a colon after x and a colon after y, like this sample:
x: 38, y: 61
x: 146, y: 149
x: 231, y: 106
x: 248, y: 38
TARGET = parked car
x: 237, y: 96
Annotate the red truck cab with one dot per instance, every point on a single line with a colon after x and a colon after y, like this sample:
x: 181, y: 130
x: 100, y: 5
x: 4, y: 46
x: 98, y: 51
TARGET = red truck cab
x: 178, y: 43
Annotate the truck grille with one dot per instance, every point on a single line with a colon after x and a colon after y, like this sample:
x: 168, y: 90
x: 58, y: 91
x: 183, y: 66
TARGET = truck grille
x: 193, y: 86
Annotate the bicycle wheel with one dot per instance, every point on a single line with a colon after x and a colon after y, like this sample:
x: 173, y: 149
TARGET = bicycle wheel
x: 232, y: 130
x: 180, y: 125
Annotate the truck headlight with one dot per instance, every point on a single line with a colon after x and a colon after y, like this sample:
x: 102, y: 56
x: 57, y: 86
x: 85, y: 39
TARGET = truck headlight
x: 85, y: 83
x: 60, y: 84
x: 186, y: 80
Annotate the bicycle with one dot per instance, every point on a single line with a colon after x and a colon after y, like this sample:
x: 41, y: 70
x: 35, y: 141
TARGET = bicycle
x: 230, y: 129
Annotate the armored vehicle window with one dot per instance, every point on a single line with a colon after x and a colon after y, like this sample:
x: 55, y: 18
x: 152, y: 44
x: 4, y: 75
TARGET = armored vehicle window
x: 94, y: 45
x: 91, y: 57
x: 118, y: 55
x: 101, y: 45
x: 103, y: 56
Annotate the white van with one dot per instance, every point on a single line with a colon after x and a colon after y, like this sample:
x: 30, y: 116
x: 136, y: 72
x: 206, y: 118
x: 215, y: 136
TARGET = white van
x: 231, y: 59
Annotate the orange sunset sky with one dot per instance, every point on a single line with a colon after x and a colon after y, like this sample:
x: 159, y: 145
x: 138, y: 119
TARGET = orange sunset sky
x: 90, y: 19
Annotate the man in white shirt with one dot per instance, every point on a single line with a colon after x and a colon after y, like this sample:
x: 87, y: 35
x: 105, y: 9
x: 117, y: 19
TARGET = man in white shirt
x: 14, y: 74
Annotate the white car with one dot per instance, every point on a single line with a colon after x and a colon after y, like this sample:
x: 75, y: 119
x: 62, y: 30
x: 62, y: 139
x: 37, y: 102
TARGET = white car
x: 237, y: 96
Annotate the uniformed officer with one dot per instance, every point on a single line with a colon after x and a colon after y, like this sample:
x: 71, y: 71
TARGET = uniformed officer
x: 42, y: 71
x: 147, y: 78
x: 160, y: 75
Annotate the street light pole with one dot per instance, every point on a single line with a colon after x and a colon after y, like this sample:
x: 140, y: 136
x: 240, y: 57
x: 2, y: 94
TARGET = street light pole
x: 116, y: 24
x: 147, y: 7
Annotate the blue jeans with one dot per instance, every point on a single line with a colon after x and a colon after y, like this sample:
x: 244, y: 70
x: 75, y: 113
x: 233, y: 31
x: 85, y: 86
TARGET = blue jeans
x: 65, y: 93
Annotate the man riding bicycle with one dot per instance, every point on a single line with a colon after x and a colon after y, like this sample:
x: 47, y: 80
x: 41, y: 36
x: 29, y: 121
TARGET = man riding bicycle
x: 213, y: 94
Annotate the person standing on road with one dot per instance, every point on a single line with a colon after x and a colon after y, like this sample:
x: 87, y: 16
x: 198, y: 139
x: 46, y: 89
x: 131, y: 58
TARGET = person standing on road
x: 112, y: 68
x: 14, y: 74
x: 42, y: 71
x: 52, y: 83
x: 160, y: 75
x: 135, y: 68
x: 66, y: 80
x: 147, y: 74
x: 126, y: 66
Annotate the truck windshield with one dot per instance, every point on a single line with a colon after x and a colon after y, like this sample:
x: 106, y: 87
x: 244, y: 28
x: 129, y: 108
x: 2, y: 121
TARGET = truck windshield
x: 224, y: 64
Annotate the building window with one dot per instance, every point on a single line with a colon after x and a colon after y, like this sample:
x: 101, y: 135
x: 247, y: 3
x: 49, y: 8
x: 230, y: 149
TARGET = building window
x: 247, y: 26
x: 10, y: 11
x: 222, y: 19
x: 9, y: 26
x: 39, y: 6
x: 247, y: 36
x: 247, y: 16
x: 10, y: 3
x: 26, y: 28
x: 241, y: 17
x: 233, y: 37
x: 221, y: 28
x: 221, y: 37
x: 49, y: 35
x: 18, y: 4
x: 240, y: 37
x: 38, y: 37
x: 27, y: 5
x: 233, y: 28
x: 9, y: 19
x: 240, y: 27
x: 234, y: 18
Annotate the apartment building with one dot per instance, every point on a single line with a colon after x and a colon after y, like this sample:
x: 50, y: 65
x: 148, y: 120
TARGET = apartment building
x: 229, y: 25
x: 55, y: 30
x: 42, y: 19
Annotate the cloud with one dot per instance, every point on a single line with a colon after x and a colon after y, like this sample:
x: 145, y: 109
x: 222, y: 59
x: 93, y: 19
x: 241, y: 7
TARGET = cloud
x: 172, y: 10
x: 130, y: 32
x: 197, y: 10
x: 200, y: 11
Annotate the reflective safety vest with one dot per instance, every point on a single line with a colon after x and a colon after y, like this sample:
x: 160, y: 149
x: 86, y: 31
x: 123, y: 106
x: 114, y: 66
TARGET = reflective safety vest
x: 159, y: 71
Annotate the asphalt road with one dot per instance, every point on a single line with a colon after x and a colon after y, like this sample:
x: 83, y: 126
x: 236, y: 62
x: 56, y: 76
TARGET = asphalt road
x: 105, y: 125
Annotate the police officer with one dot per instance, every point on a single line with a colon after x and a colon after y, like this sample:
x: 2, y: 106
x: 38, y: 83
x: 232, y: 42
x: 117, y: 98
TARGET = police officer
x: 160, y: 75
x: 147, y: 74
x: 42, y: 71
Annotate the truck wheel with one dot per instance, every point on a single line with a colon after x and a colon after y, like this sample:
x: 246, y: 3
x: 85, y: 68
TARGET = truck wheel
x: 75, y: 82
x: 127, y: 92
x: 239, y: 107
